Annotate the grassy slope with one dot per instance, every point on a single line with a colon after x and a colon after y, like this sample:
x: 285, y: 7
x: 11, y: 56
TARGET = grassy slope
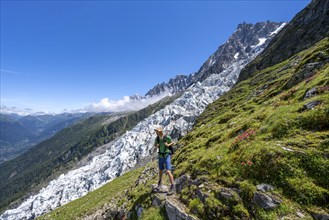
x: 96, y: 199
x: 218, y: 146
x: 124, y: 192
x: 214, y: 151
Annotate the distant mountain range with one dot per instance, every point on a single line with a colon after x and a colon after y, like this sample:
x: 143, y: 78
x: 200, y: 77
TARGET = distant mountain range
x: 19, y: 133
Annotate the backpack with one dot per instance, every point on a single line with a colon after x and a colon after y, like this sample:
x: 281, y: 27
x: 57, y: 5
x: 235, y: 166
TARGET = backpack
x: 171, y: 149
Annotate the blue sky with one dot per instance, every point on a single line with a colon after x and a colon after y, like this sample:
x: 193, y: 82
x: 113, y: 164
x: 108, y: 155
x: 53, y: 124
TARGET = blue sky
x: 59, y: 55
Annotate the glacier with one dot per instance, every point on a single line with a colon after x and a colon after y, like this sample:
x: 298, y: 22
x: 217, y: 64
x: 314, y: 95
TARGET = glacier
x: 124, y: 153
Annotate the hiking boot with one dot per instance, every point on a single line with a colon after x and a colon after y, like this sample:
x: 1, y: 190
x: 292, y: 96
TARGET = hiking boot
x: 171, y: 190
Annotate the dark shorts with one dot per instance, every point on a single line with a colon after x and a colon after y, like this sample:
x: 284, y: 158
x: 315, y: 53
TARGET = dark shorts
x: 163, y: 162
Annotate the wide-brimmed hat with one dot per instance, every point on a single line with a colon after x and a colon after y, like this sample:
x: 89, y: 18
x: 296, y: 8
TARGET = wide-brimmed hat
x: 159, y: 129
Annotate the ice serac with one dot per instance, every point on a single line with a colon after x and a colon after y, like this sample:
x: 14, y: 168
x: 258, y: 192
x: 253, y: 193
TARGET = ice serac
x: 125, y: 152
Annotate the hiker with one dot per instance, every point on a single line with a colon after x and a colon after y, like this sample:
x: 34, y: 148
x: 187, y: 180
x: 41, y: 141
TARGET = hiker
x: 163, y: 142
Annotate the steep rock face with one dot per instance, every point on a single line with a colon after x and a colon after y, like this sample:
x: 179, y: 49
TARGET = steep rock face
x: 245, y: 41
x: 306, y: 28
x: 136, y: 144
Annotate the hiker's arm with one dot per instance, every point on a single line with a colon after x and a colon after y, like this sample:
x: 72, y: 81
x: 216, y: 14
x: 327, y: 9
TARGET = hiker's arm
x: 169, y: 144
x: 156, y: 144
x: 168, y: 141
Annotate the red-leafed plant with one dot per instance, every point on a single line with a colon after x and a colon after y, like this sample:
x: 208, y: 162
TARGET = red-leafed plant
x: 247, y: 135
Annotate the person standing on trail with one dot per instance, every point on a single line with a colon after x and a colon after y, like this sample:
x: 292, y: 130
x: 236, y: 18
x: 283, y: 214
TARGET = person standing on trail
x: 163, y: 142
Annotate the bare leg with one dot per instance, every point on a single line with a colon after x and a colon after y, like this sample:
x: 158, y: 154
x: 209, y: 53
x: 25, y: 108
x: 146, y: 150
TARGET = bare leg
x: 160, y: 175
x: 171, y: 178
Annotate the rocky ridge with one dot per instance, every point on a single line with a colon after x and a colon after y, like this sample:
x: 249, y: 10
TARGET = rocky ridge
x: 178, y: 84
x: 306, y: 28
x: 245, y: 41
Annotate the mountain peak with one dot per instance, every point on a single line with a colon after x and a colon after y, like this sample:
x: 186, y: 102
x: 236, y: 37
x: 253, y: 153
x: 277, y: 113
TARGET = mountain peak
x: 247, y: 39
x: 306, y: 28
x: 175, y: 85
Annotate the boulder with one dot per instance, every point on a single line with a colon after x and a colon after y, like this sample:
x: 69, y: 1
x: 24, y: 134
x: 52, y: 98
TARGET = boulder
x: 265, y: 201
x: 202, y: 196
x: 311, y: 105
x: 320, y: 216
x: 229, y: 196
x: 264, y: 187
x: 182, y: 182
x: 159, y: 200
x: 226, y: 193
x: 139, y: 212
x: 197, y: 182
x: 310, y: 93
x: 307, y: 71
x: 176, y: 212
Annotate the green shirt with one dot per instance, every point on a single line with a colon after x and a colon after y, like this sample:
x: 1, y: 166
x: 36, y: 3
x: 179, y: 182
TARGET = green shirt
x: 162, y: 147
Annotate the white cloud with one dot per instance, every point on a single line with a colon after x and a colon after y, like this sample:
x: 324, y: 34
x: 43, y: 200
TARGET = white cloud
x: 125, y: 104
x: 13, y: 110
x: 2, y: 71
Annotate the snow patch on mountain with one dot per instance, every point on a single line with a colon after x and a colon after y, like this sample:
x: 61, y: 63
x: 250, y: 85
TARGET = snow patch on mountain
x: 278, y: 29
x: 246, y: 40
x: 261, y: 42
x: 236, y: 55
